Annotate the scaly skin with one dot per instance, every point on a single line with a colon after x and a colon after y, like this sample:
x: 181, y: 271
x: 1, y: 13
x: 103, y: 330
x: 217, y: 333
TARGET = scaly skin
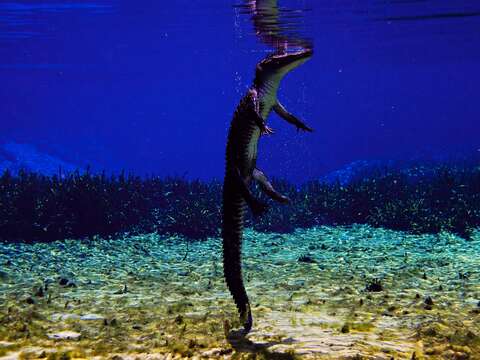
x: 241, y: 157
x: 247, y: 126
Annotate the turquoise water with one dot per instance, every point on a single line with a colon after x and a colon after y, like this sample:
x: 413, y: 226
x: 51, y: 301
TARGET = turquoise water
x: 252, y: 180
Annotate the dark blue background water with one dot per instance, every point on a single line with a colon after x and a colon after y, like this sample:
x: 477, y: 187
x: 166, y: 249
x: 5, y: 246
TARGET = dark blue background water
x: 151, y: 86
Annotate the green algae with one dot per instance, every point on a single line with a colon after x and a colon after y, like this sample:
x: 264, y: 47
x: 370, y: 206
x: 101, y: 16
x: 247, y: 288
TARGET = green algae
x: 175, y: 306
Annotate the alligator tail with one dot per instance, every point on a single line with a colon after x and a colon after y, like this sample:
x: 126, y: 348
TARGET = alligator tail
x: 232, y: 229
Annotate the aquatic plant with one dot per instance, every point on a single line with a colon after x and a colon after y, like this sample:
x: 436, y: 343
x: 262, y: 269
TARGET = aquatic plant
x: 374, y: 286
x: 35, y: 207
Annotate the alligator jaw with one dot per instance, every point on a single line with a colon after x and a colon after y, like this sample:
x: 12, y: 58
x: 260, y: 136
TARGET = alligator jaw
x: 270, y: 72
x: 278, y: 65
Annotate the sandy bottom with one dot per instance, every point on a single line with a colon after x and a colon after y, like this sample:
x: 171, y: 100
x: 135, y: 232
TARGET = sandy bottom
x: 327, y: 293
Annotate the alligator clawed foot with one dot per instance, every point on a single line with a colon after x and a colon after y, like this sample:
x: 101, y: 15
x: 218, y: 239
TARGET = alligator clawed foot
x: 267, y: 130
x: 284, y: 200
x: 259, y: 208
x: 304, y: 127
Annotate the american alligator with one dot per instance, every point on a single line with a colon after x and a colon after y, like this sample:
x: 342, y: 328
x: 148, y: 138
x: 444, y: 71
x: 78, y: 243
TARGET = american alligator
x: 247, y: 126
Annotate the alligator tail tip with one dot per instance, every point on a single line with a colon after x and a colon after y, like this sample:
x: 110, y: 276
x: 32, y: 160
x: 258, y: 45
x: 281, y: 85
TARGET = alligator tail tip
x: 247, y: 320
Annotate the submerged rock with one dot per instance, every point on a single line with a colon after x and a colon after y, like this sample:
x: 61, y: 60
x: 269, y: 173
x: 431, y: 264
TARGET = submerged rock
x: 65, y: 335
x: 91, y: 317
x: 66, y: 282
x: 345, y: 329
x: 124, y: 290
x: 429, y: 300
x: 374, y: 286
x: 307, y: 259
x: 4, y: 276
x: 6, y: 344
x: 58, y: 317
x: 39, y: 292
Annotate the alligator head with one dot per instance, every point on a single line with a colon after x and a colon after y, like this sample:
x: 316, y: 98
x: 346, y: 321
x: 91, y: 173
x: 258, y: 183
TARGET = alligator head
x: 270, y: 72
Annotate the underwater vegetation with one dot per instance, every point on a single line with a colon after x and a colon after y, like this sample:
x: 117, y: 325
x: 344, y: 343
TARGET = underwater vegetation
x: 36, y: 207
x: 445, y: 199
x: 39, y: 207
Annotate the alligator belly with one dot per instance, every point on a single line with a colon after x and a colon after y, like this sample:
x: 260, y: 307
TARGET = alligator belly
x: 250, y: 155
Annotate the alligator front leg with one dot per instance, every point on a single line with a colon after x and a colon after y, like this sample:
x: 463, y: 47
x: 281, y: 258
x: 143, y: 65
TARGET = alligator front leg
x: 267, y: 187
x: 258, y: 208
x: 284, y: 114
x: 264, y: 129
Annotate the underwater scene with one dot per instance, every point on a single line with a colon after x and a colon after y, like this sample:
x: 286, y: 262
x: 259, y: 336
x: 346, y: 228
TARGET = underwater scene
x: 245, y: 179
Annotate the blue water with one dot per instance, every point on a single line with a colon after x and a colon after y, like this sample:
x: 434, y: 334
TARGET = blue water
x: 151, y: 87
